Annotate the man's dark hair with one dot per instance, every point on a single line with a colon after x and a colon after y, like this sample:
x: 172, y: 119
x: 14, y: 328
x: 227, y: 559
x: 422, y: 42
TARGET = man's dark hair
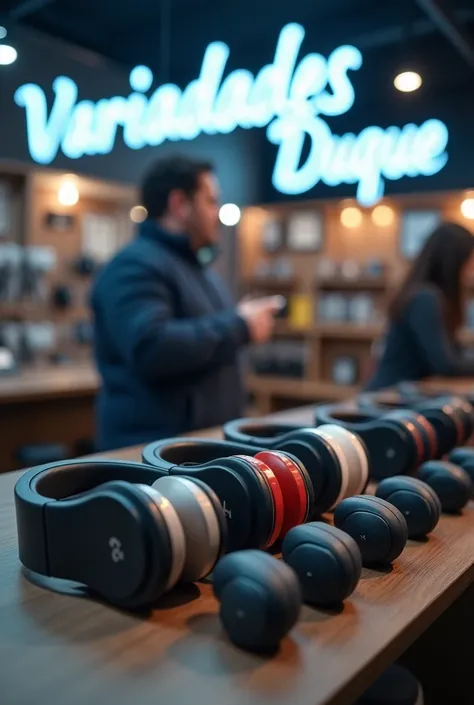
x: 166, y: 175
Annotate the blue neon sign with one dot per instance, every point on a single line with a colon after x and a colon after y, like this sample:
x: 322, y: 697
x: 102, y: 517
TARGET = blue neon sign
x: 288, y: 97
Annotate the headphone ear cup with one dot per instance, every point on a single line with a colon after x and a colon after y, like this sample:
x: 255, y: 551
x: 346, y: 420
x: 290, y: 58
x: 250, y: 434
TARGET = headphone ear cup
x: 161, y: 549
x: 202, y: 526
x: 260, y: 599
x: 327, y: 561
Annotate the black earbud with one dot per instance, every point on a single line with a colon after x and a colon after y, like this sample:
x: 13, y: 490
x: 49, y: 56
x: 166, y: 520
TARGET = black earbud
x: 378, y: 528
x: 450, y: 482
x: 464, y: 458
x: 416, y: 500
x: 260, y: 599
x: 327, y: 561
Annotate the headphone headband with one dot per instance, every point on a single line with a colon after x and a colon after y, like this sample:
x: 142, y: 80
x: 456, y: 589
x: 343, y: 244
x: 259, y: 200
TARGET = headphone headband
x: 193, y: 451
x: 53, y: 482
x: 247, y: 431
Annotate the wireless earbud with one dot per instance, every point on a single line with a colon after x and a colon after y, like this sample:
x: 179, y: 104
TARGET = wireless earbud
x: 394, y: 446
x: 377, y: 527
x: 326, y: 560
x: 464, y: 458
x: 416, y: 500
x: 260, y: 599
x: 336, y: 459
x: 100, y: 523
x: 450, y: 482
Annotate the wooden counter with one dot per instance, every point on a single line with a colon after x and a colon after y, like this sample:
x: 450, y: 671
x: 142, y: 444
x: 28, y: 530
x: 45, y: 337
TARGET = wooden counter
x: 46, y: 405
x: 62, y: 650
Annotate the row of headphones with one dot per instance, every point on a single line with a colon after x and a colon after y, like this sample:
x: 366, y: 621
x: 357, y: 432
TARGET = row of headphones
x: 131, y: 532
x: 395, y: 441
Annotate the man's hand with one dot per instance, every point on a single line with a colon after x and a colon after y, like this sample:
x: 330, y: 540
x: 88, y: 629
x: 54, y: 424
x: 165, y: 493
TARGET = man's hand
x: 259, y: 315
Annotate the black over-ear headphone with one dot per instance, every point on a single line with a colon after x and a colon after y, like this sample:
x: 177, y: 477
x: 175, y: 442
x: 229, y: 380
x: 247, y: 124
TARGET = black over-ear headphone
x: 394, y: 446
x: 264, y: 493
x: 101, y: 524
x: 130, y: 543
x: 337, y: 459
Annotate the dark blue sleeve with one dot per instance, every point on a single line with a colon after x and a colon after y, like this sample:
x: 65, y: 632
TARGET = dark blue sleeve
x: 136, y: 305
x: 426, y: 320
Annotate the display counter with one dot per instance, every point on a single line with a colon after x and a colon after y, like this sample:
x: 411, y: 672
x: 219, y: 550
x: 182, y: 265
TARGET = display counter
x: 51, y: 405
x: 57, y: 648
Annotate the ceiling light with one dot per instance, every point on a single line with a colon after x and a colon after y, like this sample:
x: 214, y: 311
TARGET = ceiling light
x: 229, y: 214
x: 467, y: 208
x: 138, y: 214
x: 351, y: 217
x: 68, y: 195
x: 7, y: 54
x: 383, y: 216
x: 407, y: 81
x: 3, y: 32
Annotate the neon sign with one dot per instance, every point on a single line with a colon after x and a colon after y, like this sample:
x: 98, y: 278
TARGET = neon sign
x: 288, y: 97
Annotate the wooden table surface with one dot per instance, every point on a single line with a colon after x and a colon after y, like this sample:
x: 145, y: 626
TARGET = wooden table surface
x: 49, y: 382
x: 64, y: 650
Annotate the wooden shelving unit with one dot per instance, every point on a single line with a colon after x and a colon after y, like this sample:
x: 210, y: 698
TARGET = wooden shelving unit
x: 325, y: 341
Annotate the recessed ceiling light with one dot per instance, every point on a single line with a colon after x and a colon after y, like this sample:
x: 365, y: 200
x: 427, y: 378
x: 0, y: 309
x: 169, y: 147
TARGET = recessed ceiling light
x: 7, y: 54
x: 407, y: 81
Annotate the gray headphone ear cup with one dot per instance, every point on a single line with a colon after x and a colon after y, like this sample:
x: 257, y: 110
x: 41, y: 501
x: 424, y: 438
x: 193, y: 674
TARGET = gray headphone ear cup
x: 175, y: 530
x: 201, y: 526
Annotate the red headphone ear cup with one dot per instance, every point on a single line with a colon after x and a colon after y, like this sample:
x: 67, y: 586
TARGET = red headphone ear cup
x: 293, y: 487
x: 275, y: 490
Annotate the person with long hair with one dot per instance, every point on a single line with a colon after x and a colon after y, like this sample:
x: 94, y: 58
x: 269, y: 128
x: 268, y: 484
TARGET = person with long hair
x: 426, y: 313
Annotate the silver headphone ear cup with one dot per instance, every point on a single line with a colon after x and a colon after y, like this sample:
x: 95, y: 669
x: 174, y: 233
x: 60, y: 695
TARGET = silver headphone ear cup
x: 331, y: 433
x: 201, y: 526
x: 175, y: 530
x: 363, y: 463
x: 356, y: 457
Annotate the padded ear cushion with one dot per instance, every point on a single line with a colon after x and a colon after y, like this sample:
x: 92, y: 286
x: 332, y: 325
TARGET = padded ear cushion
x: 307, y: 482
x: 327, y: 561
x: 275, y: 490
x: 314, y: 453
x: 356, y: 454
x: 378, y: 527
x: 201, y: 526
x: 320, y: 459
x: 175, y: 530
x: 463, y: 411
x: 345, y: 457
x: 260, y: 598
x: 450, y: 482
x: 418, y: 503
x: 293, y: 488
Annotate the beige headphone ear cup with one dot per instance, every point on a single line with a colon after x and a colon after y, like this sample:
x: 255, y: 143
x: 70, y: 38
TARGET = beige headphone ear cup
x: 175, y: 530
x: 332, y: 434
x: 201, y: 526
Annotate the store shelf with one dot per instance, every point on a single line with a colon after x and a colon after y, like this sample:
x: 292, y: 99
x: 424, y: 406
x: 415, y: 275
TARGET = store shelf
x: 358, y: 284
x: 270, y: 284
x: 285, y: 329
x: 305, y: 390
x: 348, y: 331
x: 39, y: 311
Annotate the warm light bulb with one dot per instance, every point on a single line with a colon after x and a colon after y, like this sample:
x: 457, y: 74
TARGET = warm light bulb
x: 351, y: 217
x: 229, y: 214
x: 138, y: 214
x: 467, y: 208
x: 407, y: 81
x: 7, y: 54
x: 383, y: 216
x: 68, y: 195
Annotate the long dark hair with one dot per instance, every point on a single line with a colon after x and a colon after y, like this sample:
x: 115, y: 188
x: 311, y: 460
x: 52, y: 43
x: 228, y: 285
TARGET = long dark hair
x: 439, y: 264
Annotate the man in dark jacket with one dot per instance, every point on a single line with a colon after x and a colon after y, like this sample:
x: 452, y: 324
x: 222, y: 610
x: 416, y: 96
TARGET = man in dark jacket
x: 167, y: 336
